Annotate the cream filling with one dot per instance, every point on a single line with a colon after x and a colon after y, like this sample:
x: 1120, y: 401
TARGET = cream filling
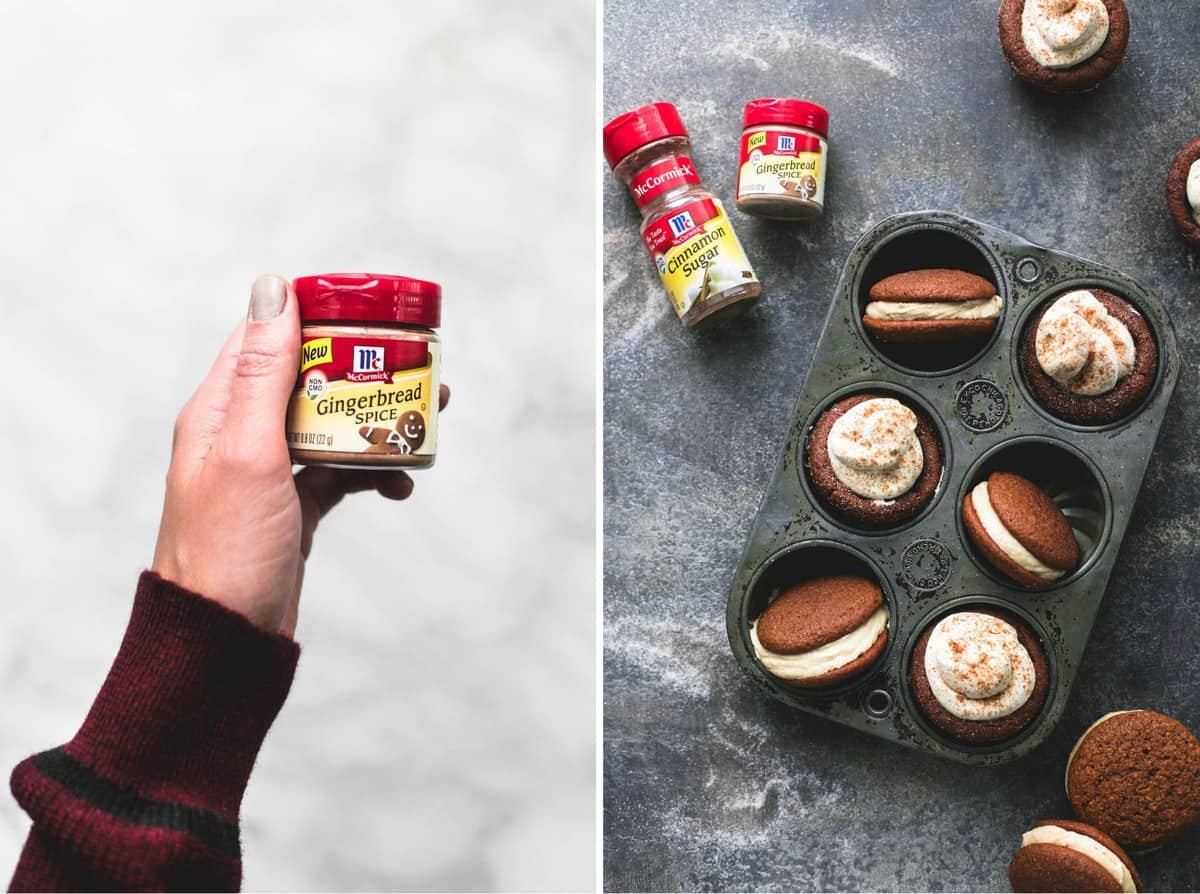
x: 1193, y: 190
x: 1089, y: 847
x: 874, y: 450
x: 823, y: 659
x: 1109, y: 715
x: 979, y: 309
x: 977, y: 667
x: 1003, y: 538
x: 1082, y: 346
x: 1063, y: 33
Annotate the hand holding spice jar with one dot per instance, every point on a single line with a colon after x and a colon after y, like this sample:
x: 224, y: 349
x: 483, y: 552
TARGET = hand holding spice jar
x: 237, y: 524
x: 700, y: 261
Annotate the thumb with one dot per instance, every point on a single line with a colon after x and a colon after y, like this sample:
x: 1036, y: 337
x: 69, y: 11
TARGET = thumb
x: 265, y: 373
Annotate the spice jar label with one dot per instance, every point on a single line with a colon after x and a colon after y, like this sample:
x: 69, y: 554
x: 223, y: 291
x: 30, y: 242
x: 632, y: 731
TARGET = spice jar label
x: 356, y: 394
x: 655, y: 179
x: 697, y: 253
x: 782, y: 163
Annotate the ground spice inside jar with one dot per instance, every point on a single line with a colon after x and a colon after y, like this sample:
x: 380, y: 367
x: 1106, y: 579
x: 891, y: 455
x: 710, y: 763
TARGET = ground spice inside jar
x: 370, y: 369
x: 781, y: 171
x: 700, y: 261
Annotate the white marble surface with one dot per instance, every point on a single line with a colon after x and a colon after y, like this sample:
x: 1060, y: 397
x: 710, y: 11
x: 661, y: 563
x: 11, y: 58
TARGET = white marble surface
x: 156, y: 157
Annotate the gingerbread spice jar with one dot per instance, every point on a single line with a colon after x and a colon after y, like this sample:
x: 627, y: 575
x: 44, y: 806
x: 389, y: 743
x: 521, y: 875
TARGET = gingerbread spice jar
x: 370, y: 364
x: 781, y: 170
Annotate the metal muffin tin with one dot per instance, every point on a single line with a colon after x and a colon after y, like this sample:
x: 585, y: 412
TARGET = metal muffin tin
x: 985, y: 418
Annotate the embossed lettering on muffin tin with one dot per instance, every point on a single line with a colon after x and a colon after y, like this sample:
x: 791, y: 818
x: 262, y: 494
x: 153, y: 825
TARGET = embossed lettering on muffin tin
x: 845, y: 362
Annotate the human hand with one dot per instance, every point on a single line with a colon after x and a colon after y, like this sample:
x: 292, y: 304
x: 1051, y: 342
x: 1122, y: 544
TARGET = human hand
x: 237, y: 525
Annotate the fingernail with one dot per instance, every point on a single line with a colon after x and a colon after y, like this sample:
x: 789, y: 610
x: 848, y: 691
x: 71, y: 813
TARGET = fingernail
x: 267, y: 296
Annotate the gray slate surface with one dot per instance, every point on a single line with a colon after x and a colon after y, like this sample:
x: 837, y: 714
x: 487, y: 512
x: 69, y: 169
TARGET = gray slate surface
x: 709, y: 785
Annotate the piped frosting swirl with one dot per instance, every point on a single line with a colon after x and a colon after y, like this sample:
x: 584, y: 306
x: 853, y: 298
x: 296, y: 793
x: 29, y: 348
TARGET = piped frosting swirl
x: 1063, y: 33
x: 1082, y: 347
x: 977, y: 667
x: 874, y: 449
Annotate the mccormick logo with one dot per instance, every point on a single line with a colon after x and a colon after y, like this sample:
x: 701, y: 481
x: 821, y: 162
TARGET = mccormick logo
x: 368, y: 364
x: 681, y: 223
x: 684, y: 172
x: 368, y: 360
x: 787, y: 144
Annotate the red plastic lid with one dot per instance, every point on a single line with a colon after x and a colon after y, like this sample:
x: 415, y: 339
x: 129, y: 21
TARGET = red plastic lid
x: 633, y: 130
x: 795, y: 112
x: 373, y: 297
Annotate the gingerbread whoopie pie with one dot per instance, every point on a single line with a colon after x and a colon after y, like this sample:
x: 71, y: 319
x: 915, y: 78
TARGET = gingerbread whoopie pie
x: 873, y: 461
x: 933, y: 306
x: 1136, y: 775
x: 1183, y: 192
x: 1064, y: 46
x: 1020, y: 531
x: 1066, y: 855
x: 1089, y: 357
x: 823, y: 632
x: 979, y: 676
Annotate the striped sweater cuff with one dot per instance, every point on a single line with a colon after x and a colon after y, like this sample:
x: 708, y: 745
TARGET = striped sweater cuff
x: 154, y: 778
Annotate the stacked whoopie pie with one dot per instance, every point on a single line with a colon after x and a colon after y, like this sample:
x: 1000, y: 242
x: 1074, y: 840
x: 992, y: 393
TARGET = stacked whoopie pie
x: 822, y: 632
x: 932, y: 306
x: 1018, y: 528
x: 1066, y: 855
x: 1133, y: 780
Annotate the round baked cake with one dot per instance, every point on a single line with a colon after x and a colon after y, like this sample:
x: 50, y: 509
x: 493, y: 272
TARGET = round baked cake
x: 979, y: 676
x: 822, y: 632
x: 873, y: 461
x: 1066, y: 855
x: 1136, y: 775
x: 1064, y: 46
x: 1183, y: 192
x: 1089, y: 357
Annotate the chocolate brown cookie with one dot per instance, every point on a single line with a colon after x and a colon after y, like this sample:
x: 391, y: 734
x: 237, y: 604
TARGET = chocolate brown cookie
x: 929, y: 286
x: 1177, y: 200
x: 932, y: 284
x: 1034, y: 521
x: 981, y: 732
x: 1100, y: 409
x: 859, y: 510
x: 815, y: 614
x: 1136, y: 775
x: 1058, y: 862
x: 1078, y: 78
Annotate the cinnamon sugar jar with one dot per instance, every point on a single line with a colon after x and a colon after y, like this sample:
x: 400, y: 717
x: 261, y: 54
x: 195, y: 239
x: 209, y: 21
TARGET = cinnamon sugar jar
x: 370, y: 367
x: 700, y: 261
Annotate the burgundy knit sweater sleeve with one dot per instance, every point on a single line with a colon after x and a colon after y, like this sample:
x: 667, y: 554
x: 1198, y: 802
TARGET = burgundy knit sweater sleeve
x: 147, y: 794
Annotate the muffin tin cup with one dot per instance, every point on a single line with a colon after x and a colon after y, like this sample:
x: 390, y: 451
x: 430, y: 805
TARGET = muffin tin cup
x: 986, y: 418
x: 795, y: 564
x: 977, y: 603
